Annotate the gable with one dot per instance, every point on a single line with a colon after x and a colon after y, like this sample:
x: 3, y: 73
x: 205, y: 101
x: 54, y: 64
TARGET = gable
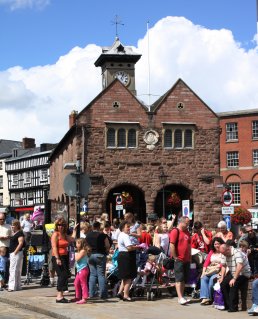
x: 115, y: 104
x: 181, y: 104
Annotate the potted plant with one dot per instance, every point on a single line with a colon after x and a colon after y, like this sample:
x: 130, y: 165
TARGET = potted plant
x: 174, y: 199
x: 241, y: 216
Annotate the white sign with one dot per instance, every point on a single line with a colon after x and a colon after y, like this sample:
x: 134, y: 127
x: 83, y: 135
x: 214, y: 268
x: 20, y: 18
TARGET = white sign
x: 119, y: 200
x: 227, y: 198
x: 186, y: 207
x: 119, y: 207
x: 229, y: 210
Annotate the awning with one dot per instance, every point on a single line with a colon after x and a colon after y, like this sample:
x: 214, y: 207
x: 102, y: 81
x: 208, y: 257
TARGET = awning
x: 24, y: 209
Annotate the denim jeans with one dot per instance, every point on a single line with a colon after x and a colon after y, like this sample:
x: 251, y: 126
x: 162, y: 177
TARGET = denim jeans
x: 207, y: 287
x: 255, y: 292
x: 97, y: 263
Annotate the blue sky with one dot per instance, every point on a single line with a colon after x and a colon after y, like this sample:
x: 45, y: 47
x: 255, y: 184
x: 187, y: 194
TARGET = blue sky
x: 40, y: 34
x: 48, y: 49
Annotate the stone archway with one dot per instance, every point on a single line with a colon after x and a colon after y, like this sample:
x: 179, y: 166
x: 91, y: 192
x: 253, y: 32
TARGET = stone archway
x: 133, y: 201
x: 174, y: 205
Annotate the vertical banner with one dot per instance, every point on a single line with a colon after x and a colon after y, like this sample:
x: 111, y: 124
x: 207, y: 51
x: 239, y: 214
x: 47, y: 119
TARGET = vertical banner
x: 186, y: 208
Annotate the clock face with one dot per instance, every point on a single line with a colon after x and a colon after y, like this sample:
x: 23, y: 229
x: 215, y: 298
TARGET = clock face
x: 123, y: 77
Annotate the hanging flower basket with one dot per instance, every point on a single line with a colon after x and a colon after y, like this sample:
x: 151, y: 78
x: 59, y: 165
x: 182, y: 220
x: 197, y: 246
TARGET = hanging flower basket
x: 174, y: 199
x: 241, y: 216
x: 127, y: 198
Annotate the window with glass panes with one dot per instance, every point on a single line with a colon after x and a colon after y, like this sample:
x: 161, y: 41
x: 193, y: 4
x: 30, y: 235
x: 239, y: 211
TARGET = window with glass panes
x: 231, y: 131
x: 232, y: 159
x: 1, y: 199
x: 44, y: 174
x: 255, y: 157
x: 178, y: 138
x: 131, y: 138
x: 235, y: 189
x: 123, y: 137
x: 255, y: 129
x: 256, y: 192
x: 1, y: 181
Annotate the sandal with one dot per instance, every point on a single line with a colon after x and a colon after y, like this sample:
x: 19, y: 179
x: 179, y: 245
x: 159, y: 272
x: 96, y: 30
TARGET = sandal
x: 74, y: 299
x: 63, y: 300
x: 205, y: 302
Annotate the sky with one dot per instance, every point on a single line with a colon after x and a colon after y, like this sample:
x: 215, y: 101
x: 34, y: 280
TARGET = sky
x: 48, y: 49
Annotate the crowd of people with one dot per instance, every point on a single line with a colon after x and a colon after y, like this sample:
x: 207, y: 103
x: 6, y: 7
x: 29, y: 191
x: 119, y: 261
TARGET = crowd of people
x: 229, y: 261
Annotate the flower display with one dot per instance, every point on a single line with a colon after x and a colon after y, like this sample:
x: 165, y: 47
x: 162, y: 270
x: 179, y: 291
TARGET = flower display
x: 174, y: 199
x: 241, y: 216
x: 127, y: 198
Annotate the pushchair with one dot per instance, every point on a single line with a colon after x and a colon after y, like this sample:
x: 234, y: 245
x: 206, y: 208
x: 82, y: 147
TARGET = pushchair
x: 149, y: 284
x: 193, y: 284
x: 113, y: 281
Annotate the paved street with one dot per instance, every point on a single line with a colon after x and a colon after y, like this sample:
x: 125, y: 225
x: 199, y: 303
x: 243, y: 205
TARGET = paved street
x: 12, y: 312
x: 42, y: 301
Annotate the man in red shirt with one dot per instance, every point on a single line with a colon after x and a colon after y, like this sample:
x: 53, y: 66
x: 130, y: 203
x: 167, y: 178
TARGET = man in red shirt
x: 180, y: 247
x: 202, y: 238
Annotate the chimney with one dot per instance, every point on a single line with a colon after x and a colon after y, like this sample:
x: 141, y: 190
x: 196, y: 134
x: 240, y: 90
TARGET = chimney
x: 44, y: 147
x: 72, y: 118
x: 28, y: 143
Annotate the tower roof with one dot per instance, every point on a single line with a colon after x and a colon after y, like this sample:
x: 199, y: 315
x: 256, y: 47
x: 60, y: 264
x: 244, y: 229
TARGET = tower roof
x: 117, y: 53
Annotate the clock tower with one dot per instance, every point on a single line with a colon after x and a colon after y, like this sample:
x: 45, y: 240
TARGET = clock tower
x: 118, y: 62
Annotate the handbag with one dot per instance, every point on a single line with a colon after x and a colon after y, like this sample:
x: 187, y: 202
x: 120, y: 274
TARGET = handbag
x: 212, y: 269
x: 168, y: 263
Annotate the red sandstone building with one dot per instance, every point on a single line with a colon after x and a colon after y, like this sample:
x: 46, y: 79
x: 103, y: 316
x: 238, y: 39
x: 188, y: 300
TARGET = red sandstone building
x: 239, y: 157
x: 125, y: 146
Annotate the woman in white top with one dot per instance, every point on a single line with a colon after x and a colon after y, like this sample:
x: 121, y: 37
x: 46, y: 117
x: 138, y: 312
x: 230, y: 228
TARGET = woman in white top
x: 126, y: 261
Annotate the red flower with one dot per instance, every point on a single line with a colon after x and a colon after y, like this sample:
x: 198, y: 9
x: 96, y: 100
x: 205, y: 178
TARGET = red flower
x: 241, y: 216
x: 174, y: 199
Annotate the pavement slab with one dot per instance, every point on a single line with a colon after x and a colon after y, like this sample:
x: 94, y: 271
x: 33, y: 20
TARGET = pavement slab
x: 42, y: 300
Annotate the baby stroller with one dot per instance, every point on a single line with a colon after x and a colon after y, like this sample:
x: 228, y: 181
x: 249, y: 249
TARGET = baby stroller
x: 112, y: 275
x: 149, y: 284
x: 45, y: 279
x: 193, y: 283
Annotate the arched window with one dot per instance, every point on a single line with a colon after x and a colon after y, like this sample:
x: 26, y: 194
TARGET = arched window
x: 168, y: 138
x: 111, y: 137
x: 121, y: 138
x: 132, y: 138
x: 178, y: 138
x: 188, y: 138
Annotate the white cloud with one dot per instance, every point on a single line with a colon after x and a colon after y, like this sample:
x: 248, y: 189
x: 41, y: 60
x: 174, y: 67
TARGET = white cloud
x: 23, y: 4
x: 36, y: 102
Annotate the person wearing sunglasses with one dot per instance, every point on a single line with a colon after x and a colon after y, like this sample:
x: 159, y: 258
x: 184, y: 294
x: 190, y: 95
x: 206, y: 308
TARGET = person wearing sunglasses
x: 60, y: 241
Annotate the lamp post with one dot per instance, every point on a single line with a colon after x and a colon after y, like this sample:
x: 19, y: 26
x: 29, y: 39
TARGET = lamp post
x: 163, y: 179
x: 47, y: 217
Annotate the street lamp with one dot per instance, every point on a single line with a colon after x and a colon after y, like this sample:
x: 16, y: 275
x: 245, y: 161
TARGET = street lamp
x: 163, y: 180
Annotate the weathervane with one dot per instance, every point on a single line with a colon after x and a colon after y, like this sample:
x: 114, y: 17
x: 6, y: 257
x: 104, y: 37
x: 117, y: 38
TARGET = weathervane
x: 117, y: 22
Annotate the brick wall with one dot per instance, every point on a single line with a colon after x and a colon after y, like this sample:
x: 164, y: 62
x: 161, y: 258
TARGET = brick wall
x: 196, y: 169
